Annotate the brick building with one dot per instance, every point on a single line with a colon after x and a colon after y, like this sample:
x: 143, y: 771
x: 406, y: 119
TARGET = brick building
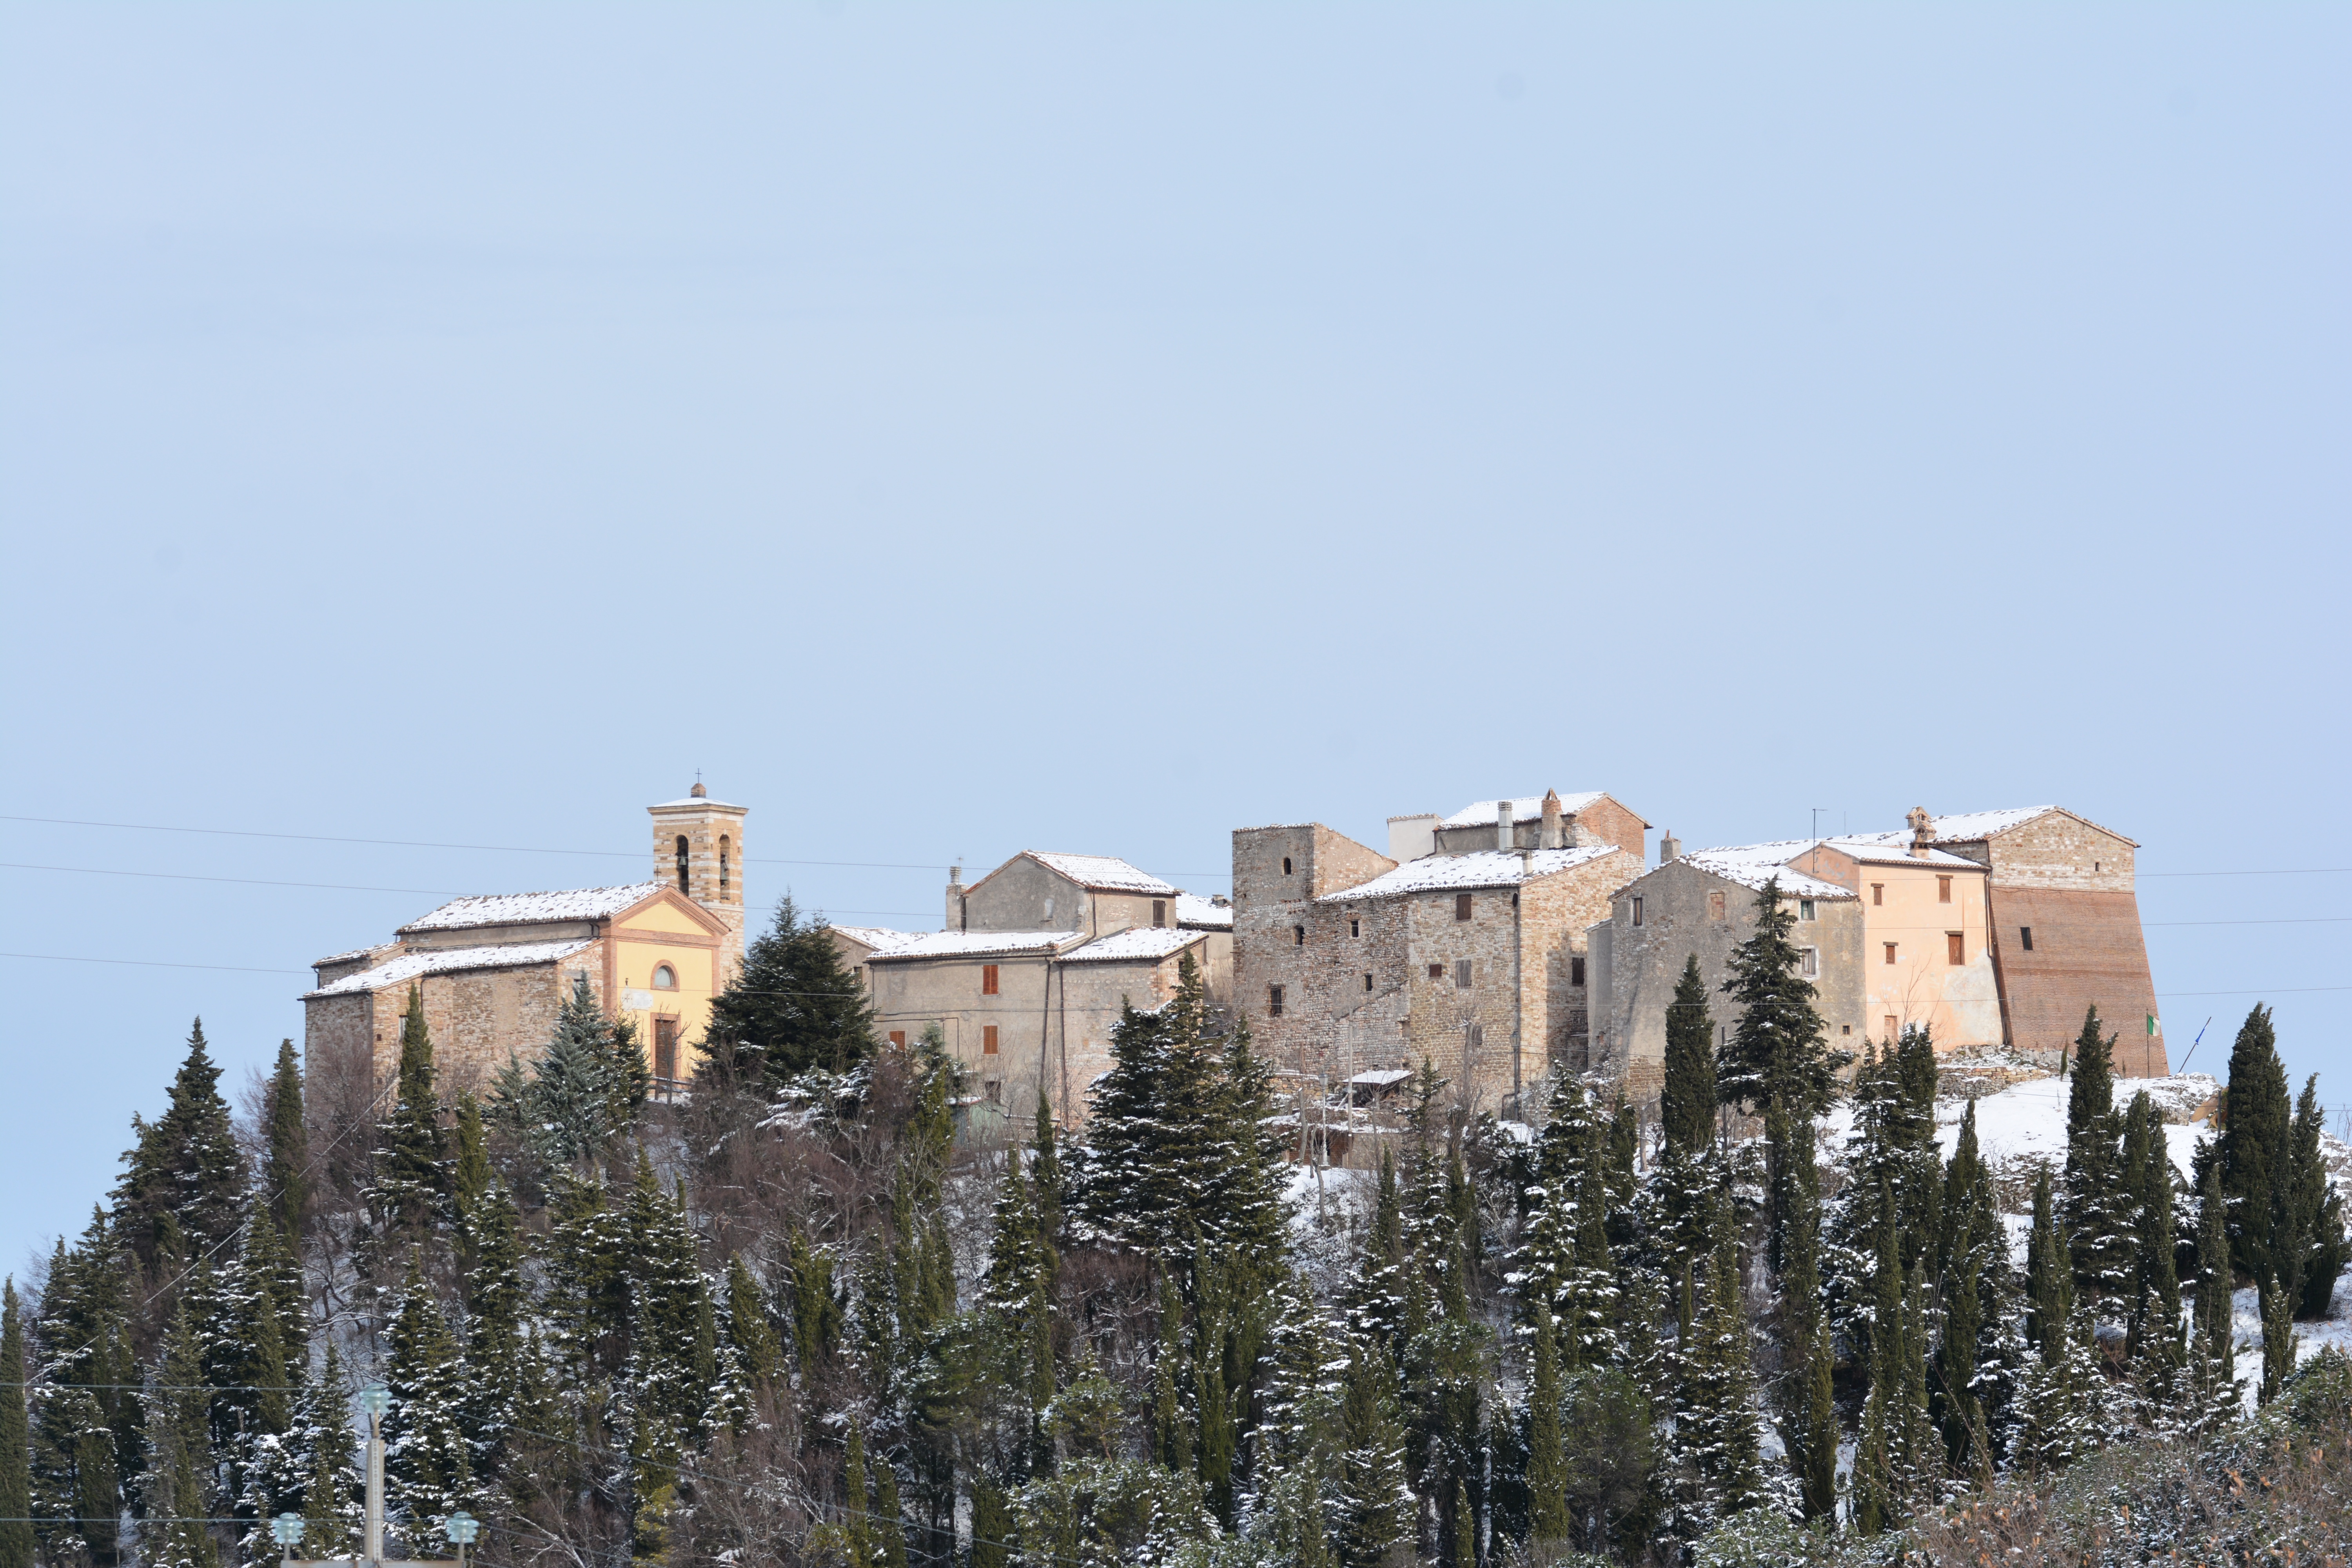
x: 1346, y: 960
x: 495, y: 969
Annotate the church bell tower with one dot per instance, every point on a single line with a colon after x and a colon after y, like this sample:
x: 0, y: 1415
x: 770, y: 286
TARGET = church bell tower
x: 698, y: 850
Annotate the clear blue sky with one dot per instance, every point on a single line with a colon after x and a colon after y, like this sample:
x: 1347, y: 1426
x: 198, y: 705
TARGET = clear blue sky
x: 962, y: 428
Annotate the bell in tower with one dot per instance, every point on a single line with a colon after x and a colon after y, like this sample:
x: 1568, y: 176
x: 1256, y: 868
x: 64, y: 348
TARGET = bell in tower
x: 698, y: 850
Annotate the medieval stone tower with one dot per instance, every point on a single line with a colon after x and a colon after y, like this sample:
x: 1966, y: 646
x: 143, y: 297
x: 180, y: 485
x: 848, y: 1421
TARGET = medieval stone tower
x: 698, y: 850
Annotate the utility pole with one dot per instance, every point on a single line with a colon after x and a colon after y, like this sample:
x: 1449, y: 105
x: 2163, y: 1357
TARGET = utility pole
x: 375, y: 1400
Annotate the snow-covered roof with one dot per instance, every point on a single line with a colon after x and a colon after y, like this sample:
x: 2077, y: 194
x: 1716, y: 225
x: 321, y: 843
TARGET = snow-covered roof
x: 881, y: 939
x: 1204, y: 914
x: 978, y: 944
x: 411, y: 966
x: 1135, y: 943
x: 1379, y: 1078
x: 1974, y: 826
x: 696, y: 800
x: 1524, y: 808
x: 1753, y: 865
x: 1102, y: 873
x: 341, y: 957
x: 1873, y: 851
x: 1479, y: 869
x: 529, y: 908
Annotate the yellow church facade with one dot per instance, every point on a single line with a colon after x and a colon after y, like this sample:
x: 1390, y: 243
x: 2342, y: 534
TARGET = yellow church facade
x: 494, y: 971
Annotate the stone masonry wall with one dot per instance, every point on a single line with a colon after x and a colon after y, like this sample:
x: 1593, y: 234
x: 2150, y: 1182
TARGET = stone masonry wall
x: 2056, y: 850
x: 1271, y: 903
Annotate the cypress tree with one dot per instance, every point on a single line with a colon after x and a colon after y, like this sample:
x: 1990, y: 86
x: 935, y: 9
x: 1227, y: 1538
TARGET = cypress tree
x: 283, y: 1168
x: 469, y: 1174
x: 1372, y: 1502
x: 1813, y: 1415
x: 1687, y: 1102
x: 184, y: 1184
x: 793, y: 1006
x: 178, y: 1423
x: 1547, y: 1470
x: 428, y: 1463
x: 2154, y: 1324
x: 668, y: 1300
x: 1716, y: 1433
x: 2255, y: 1145
x: 2049, y: 1281
x: 15, y: 1440
x: 1045, y: 1170
x: 856, y: 1507
x: 412, y: 1174
x: 816, y: 1311
x: 2318, y: 1209
x: 497, y: 1360
x: 332, y: 1516
x: 2096, y: 1207
x: 748, y: 1329
x: 2215, y: 1325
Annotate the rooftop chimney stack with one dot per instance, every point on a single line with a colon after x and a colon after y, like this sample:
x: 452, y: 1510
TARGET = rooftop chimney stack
x: 1551, y: 838
x: 1503, y: 813
x: 1669, y: 847
x: 1923, y: 831
x: 955, y: 897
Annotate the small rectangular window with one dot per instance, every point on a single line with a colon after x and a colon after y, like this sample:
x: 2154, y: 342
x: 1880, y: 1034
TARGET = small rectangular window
x: 988, y: 1039
x: 1943, y: 890
x: 988, y: 980
x: 1956, y: 948
x: 1878, y: 892
x: 1715, y: 906
x: 1805, y: 909
x: 1637, y: 909
x: 1367, y: 983
x: 1576, y: 970
x: 1158, y: 911
x: 2025, y: 938
x: 1274, y: 1001
x: 1298, y: 936
x: 1890, y: 952
x: 1462, y: 975
x: 993, y: 1089
x: 1891, y: 1028
x: 1437, y: 972
x: 1354, y: 926
x: 1286, y: 865
x: 1808, y: 962
x: 898, y: 1038
x: 1461, y: 905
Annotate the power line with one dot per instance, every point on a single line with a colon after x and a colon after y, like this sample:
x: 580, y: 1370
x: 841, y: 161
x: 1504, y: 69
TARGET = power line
x: 150, y: 963
x: 2284, y: 871
x: 2293, y: 921
x: 245, y: 881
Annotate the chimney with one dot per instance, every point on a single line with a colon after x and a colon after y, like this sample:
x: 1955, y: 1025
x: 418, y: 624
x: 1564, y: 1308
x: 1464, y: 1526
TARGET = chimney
x: 1669, y: 847
x: 1923, y: 831
x: 1550, y: 839
x: 1503, y: 824
x: 955, y: 897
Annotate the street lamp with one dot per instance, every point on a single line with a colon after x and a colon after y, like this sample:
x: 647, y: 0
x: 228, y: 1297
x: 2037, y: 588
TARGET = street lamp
x: 461, y: 1529
x: 286, y: 1530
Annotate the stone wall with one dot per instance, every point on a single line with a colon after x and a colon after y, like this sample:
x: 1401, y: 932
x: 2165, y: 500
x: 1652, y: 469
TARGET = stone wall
x: 1024, y: 894
x: 476, y: 1018
x: 2059, y: 851
x: 1278, y: 872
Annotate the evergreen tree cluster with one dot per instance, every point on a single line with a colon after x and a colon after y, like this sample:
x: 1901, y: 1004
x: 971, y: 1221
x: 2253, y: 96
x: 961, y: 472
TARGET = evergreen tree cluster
x: 851, y: 1325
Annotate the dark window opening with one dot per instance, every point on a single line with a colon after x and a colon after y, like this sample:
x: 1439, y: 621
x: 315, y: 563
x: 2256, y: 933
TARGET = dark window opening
x: 1367, y: 983
x: 1461, y: 905
x: 1298, y: 936
x: 1462, y: 975
x: 1158, y: 911
x: 1576, y: 971
x: 1437, y: 972
x: 1845, y: 1028
x: 1809, y: 962
x: 724, y: 850
x: 2025, y: 938
x: 1637, y: 912
x: 1286, y: 865
x: 1805, y: 909
x: 682, y: 885
x: 1274, y: 1001
x: 1354, y: 926
x: 994, y: 1088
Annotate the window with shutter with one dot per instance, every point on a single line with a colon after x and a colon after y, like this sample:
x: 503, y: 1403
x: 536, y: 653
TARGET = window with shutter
x: 1878, y: 892
x: 1158, y: 911
x: 1890, y: 952
x: 988, y: 1039
x: 1462, y: 975
x: 1461, y: 905
x: 988, y: 980
x: 1956, y: 950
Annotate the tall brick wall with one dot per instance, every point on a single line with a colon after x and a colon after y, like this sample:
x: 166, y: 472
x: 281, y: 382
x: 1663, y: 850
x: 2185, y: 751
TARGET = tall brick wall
x: 2087, y: 950
x: 1606, y: 821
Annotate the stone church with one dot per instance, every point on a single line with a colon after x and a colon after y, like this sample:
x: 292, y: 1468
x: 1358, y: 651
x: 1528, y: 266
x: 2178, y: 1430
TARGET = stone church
x: 495, y: 969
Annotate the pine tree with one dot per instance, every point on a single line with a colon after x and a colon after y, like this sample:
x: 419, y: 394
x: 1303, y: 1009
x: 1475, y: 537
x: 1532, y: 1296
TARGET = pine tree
x: 2255, y: 1145
x: 15, y: 1440
x: 412, y: 1174
x: 284, y: 1170
x: 584, y: 1091
x: 498, y: 1367
x: 668, y: 1300
x: 1687, y: 1101
x: 793, y: 1006
x: 1778, y: 1052
x: 185, y: 1183
x: 587, y: 1279
x: 1716, y: 1433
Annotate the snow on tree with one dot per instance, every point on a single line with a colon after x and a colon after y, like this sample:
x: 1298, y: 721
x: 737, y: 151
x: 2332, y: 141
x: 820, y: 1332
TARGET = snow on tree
x: 793, y: 1006
x: 183, y: 1189
x: 16, y: 1439
x: 286, y: 1183
x: 176, y: 1497
x: 428, y: 1463
x: 2096, y: 1206
x: 411, y: 1184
